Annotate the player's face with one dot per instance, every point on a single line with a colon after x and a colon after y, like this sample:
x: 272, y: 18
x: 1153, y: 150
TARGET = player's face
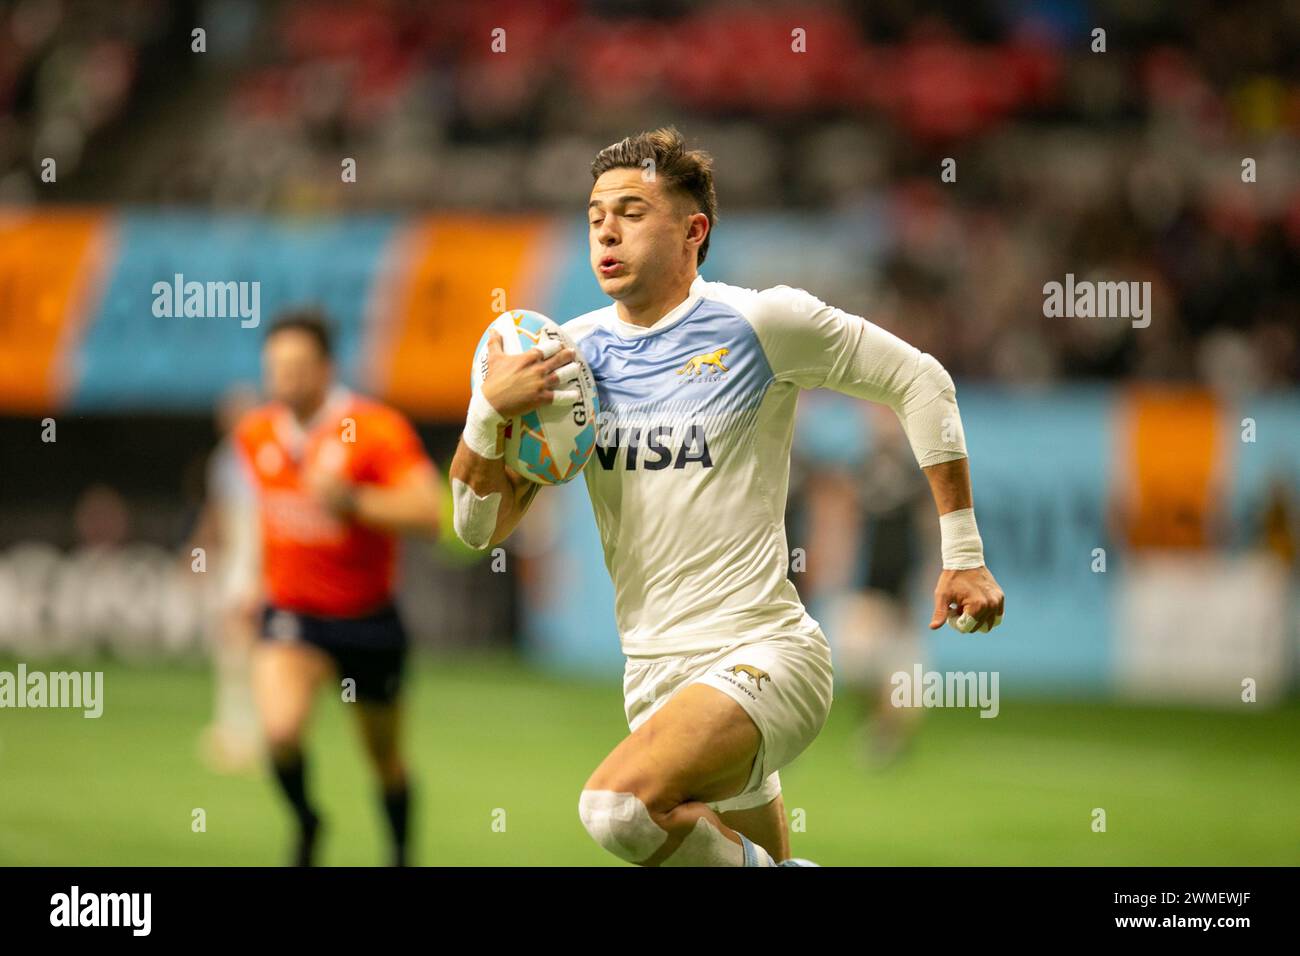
x: 295, y: 371
x: 637, y: 232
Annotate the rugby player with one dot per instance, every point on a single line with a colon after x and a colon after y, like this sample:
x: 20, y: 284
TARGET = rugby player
x: 339, y: 476
x: 728, y: 678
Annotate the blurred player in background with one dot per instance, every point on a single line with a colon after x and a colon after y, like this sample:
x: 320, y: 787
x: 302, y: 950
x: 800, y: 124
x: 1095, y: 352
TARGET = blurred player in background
x: 870, y: 622
x: 728, y: 678
x: 230, y: 531
x: 339, y: 477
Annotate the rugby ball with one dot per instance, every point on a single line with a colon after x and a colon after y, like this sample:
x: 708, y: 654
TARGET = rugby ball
x: 549, y: 445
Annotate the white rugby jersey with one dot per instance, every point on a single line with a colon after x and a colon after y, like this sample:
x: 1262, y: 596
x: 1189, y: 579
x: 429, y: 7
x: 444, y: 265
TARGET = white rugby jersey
x: 692, y: 462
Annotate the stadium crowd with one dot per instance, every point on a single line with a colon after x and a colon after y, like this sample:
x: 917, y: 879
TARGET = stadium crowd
x: 1123, y: 163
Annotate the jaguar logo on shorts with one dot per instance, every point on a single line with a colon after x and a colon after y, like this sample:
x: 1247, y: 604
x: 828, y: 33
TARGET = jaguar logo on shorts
x: 753, y: 673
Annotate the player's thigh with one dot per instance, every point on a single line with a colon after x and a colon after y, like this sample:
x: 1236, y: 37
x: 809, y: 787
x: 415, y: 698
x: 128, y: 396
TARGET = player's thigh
x: 380, y: 724
x: 285, y: 679
x: 764, y: 825
x: 699, y: 746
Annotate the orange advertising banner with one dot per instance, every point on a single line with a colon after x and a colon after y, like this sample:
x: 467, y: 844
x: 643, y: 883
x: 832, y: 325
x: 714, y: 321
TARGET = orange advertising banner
x: 50, y: 264
x: 1171, y: 467
x: 449, y: 277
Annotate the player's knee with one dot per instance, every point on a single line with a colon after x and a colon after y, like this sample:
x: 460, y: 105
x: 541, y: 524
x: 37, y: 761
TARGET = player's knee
x: 621, y: 824
x: 381, y: 747
x: 392, y: 774
x: 387, y: 761
x: 283, y: 747
x: 283, y: 738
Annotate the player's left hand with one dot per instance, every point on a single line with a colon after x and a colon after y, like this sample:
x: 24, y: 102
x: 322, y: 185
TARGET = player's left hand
x: 969, y: 600
x: 332, y: 492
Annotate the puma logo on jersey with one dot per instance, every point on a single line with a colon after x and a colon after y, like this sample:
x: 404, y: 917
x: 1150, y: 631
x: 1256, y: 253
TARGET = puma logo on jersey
x: 696, y: 364
x: 753, y: 673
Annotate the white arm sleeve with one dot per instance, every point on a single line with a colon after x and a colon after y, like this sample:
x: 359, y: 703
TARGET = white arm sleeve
x: 815, y: 345
x: 474, y: 517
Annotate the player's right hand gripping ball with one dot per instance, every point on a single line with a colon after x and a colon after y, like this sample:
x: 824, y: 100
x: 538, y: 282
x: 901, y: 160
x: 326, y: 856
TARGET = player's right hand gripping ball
x: 552, y: 444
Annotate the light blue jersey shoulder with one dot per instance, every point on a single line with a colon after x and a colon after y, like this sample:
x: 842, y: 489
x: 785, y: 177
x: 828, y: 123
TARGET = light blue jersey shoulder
x: 709, y: 355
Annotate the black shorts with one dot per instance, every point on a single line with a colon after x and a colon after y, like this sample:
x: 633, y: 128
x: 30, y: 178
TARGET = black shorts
x: 370, y: 650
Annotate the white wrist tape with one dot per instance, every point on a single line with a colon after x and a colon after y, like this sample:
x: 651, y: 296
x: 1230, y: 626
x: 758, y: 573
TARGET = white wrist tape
x: 960, y: 540
x: 481, y: 426
x: 475, y: 518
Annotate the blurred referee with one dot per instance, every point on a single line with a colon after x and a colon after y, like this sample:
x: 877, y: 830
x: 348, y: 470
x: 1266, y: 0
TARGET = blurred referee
x: 339, y: 476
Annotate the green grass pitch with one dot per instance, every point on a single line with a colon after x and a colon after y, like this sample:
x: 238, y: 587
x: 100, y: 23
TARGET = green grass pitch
x: 500, y: 753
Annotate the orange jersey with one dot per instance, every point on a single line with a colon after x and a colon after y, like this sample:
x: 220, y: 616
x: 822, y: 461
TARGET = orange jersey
x: 314, y: 562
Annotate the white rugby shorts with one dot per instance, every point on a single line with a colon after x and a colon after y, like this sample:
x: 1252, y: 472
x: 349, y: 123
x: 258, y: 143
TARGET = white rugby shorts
x: 783, y: 683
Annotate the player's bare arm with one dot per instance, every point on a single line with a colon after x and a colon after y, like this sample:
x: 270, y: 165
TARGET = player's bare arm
x: 490, y: 498
x: 408, y: 507
x: 819, y: 346
x: 971, y: 591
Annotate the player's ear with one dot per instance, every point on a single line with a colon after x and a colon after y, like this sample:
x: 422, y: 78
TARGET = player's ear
x: 697, y: 227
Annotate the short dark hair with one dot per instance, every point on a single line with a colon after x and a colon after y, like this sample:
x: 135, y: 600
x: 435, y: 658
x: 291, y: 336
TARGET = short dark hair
x: 688, y: 171
x: 309, y: 320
